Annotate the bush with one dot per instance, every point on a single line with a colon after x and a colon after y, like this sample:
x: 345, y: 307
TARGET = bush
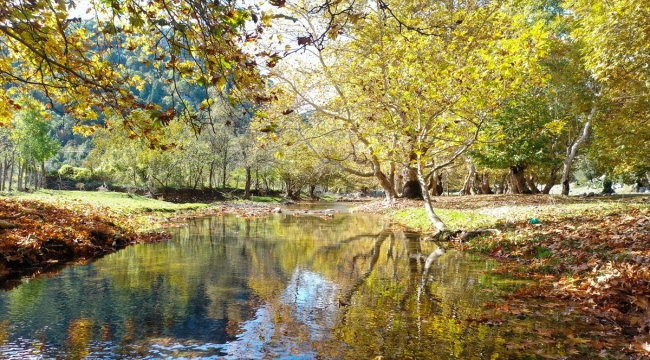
x: 82, y: 174
x: 72, y: 173
x: 66, y: 171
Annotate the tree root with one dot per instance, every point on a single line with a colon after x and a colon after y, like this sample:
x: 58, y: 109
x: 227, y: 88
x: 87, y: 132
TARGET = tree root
x: 460, y: 235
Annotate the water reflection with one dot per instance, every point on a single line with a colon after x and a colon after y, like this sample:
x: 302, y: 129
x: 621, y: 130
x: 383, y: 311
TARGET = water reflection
x: 286, y: 286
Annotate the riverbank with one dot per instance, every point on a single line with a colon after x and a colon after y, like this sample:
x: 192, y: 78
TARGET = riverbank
x: 49, y: 228
x: 591, y: 251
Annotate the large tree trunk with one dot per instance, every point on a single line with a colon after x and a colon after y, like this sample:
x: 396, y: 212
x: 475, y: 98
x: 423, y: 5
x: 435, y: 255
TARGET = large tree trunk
x: 530, y: 180
x: 224, y: 170
x: 391, y: 176
x: 386, y: 185
x: 393, y: 167
x: 399, y: 189
x: 435, y: 184
x: 471, y: 181
x: 551, y: 180
x: 572, y: 150
x: 211, y: 175
x: 312, y: 190
x: 501, y: 184
x: 21, y: 169
x: 44, y: 178
x: 247, y: 186
x: 266, y: 182
x: 292, y: 189
x: 3, y: 173
x: 412, y: 188
x: 35, y: 175
x: 467, y: 186
x: 608, y: 186
x: 517, y: 181
x: 485, y: 184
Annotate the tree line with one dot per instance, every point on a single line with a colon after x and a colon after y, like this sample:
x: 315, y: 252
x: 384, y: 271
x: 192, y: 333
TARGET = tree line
x: 399, y: 93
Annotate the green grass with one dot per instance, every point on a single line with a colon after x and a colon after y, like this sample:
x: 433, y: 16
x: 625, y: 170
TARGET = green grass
x: 454, y: 219
x: 117, y: 201
x: 489, y: 216
x: 267, y: 199
x: 543, y: 252
x: 328, y: 197
x: 139, y: 212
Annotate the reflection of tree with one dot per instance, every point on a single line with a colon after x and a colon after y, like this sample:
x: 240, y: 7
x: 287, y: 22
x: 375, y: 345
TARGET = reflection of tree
x: 269, y: 283
x: 346, y: 296
x: 79, y: 335
x: 3, y: 331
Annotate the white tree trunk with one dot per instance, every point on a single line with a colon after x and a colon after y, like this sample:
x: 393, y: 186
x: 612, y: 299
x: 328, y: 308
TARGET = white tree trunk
x: 433, y: 217
x: 572, y: 150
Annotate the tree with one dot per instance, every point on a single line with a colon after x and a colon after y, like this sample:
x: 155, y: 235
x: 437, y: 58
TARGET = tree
x: 610, y: 38
x: 31, y: 134
x: 528, y: 133
x: 76, y: 63
x: 8, y: 152
x: 616, y: 52
x: 419, y: 100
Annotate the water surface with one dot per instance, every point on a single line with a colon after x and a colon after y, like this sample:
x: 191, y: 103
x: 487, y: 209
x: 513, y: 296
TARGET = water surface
x: 228, y: 287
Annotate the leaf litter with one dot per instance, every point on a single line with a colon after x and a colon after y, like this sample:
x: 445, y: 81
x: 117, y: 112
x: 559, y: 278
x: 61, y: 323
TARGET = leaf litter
x: 588, y: 255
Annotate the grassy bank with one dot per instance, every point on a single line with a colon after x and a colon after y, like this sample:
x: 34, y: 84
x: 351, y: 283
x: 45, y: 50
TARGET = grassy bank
x: 475, y: 212
x: 133, y: 212
x: 139, y: 213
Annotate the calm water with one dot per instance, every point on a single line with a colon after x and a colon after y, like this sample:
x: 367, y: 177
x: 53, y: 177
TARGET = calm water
x: 228, y: 287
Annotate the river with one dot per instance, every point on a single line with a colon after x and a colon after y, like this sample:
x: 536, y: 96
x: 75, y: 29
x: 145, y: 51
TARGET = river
x: 291, y: 285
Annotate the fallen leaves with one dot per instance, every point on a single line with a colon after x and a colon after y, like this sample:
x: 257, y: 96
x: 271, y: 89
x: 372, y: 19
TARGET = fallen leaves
x: 46, y: 235
x: 600, y: 262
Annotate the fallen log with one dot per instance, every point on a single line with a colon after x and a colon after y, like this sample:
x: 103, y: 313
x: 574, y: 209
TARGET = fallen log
x: 21, y: 214
x: 7, y: 225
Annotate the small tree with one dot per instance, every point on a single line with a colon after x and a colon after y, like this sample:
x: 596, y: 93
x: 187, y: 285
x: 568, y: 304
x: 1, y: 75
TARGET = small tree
x: 32, y: 137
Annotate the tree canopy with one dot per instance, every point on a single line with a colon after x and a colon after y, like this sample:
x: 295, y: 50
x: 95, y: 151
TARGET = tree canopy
x: 392, y: 93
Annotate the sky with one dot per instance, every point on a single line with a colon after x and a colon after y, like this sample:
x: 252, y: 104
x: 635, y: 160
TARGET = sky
x: 80, y: 9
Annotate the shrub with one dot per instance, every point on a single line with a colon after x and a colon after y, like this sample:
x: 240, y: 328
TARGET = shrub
x: 66, y: 171
x: 82, y: 174
x: 72, y: 173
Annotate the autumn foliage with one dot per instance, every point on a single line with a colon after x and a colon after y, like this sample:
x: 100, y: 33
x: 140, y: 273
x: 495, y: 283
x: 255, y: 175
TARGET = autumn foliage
x: 46, y: 235
x: 598, y: 261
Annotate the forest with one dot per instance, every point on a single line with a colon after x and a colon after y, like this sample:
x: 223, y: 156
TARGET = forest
x: 444, y: 108
x: 474, y: 99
